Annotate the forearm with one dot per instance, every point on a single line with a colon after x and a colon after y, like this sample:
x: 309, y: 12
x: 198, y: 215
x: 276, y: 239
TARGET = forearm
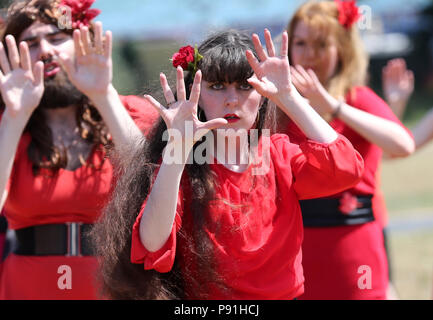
x: 423, y: 131
x: 307, y: 119
x: 11, y: 130
x: 160, y: 209
x: 120, y: 124
x: 389, y: 136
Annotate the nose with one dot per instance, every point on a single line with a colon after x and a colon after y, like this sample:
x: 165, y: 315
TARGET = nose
x: 232, y: 98
x: 310, y: 52
x: 45, y: 51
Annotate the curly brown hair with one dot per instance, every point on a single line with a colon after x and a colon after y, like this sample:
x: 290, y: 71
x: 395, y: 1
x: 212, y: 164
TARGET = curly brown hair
x: 224, y: 61
x: 41, y: 151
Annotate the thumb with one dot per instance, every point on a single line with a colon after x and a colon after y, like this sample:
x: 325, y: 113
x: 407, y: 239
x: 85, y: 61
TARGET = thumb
x: 257, y: 84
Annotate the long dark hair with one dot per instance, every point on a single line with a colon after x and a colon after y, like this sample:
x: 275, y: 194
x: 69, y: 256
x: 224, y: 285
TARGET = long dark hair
x: 41, y: 151
x: 224, y: 61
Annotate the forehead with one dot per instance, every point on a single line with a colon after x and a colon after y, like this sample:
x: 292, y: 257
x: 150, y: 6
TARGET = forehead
x: 306, y: 31
x: 38, y: 29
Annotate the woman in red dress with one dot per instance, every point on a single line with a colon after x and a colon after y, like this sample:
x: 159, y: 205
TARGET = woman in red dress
x: 61, y: 113
x: 344, y: 256
x: 212, y: 226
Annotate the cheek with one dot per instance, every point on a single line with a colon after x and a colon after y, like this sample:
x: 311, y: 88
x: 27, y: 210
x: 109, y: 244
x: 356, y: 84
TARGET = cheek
x: 295, y: 56
x: 208, y: 104
x: 332, y: 61
x: 252, y: 104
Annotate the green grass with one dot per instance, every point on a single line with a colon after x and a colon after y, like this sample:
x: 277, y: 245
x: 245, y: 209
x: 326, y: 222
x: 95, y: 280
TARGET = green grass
x: 412, y: 262
x: 408, y: 188
x: 408, y: 183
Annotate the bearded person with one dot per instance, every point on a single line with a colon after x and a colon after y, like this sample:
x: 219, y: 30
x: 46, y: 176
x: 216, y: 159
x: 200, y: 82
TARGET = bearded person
x: 60, y: 116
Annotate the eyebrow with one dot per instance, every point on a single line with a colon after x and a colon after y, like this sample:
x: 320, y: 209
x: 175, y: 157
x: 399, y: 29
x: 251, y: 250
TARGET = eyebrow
x: 33, y: 38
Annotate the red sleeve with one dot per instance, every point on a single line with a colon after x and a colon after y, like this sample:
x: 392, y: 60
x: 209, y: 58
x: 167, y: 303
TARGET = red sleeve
x: 365, y: 99
x: 163, y: 259
x: 21, y: 151
x: 144, y: 115
x: 320, y: 169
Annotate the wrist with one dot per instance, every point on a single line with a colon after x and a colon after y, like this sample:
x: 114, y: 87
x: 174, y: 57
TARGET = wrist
x: 336, y: 109
x: 17, y: 118
x: 102, y: 97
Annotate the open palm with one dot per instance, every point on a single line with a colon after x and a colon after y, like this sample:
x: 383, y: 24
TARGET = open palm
x: 183, y: 112
x: 92, y: 70
x: 20, y: 86
x: 272, y: 73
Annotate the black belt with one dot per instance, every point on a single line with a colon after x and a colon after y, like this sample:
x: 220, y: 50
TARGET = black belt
x: 3, y: 224
x: 68, y: 239
x: 331, y: 212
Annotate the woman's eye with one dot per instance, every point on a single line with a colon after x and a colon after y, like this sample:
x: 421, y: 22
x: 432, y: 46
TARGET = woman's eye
x: 217, y: 86
x: 299, y: 43
x: 245, y: 86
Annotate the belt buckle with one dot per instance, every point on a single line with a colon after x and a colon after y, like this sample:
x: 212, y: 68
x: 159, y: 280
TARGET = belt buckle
x: 74, y: 239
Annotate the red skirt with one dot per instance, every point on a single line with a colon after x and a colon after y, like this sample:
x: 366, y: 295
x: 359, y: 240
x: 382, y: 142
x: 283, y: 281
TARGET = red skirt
x: 49, y: 278
x: 345, y: 263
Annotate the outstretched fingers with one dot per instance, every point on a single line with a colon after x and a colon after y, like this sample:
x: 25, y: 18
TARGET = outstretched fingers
x: 269, y: 43
x: 14, y: 56
x: 108, y: 44
x: 4, y: 62
x: 180, y: 84
x: 38, y: 73
x: 252, y: 60
x: 259, y: 48
x: 98, y: 37
x: 168, y: 94
x: 284, y: 51
x: 196, y: 86
x: 155, y: 104
x: 25, y: 56
x: 79, y: 49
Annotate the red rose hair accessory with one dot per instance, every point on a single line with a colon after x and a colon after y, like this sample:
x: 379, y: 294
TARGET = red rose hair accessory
x: 348, y: 13
x: 187, y: 57
x: 81, y: 13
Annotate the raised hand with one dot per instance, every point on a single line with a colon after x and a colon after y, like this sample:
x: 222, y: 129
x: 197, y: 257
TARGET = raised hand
x: 21, y: 86
x: 398, y: 85
x: 91, y: 71
x: 184, y: 110
x: 310, y: 88
x: 272, y: 77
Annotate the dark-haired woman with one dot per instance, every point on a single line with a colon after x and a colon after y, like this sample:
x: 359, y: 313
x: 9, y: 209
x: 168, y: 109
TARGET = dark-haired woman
x: 222, y: 228
x: 61, y: 113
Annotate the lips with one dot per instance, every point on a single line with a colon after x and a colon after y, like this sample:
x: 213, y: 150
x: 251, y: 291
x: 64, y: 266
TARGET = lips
x: 51, y: 69
x: 231, y: 117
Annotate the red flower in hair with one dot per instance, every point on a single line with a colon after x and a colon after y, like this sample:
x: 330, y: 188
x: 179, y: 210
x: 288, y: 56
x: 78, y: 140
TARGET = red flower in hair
x: 348, y: 13
x: 183, y: 57
x: 82, y: 15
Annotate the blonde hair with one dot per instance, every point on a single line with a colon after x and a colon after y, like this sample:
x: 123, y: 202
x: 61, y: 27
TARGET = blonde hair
x: 353, y: 60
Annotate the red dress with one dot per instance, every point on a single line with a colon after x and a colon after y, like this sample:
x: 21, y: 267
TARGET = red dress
x: 257, y: 236
x: 337, y: 260
x: 68, y: 196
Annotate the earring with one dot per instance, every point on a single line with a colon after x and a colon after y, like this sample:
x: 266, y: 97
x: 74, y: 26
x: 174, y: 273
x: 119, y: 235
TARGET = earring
x: 256, y: 123
x: 200, y: 115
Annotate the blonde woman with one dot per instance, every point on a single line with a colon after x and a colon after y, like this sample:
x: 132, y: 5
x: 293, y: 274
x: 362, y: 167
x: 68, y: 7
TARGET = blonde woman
x: 343, y: 252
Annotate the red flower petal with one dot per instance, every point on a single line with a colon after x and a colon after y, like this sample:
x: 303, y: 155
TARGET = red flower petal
x: 348, y: 13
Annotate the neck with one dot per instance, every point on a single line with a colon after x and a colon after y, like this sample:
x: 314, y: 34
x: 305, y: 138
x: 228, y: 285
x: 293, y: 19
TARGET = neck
x: 232, y: 151
x: 63, y: 117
